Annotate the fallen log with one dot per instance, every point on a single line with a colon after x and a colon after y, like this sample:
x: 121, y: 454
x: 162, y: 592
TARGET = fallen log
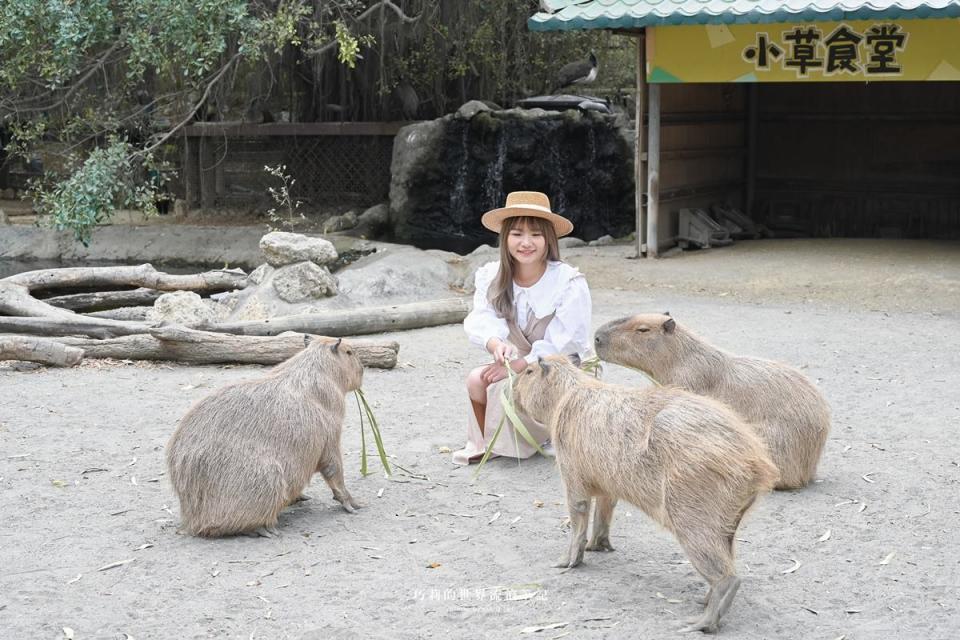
x: 203, y: 347
x: 143, y: 275
x: 127, y: 314
x: 72, y: 325
x: 39, y: 350
x: 103, y: 300
x: 353, y: 322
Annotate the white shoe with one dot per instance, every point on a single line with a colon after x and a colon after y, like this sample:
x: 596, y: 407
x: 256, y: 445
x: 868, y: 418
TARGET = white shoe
x: 548, y: 450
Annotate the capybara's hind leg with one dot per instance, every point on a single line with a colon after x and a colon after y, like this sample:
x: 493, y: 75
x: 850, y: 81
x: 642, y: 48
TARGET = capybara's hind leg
x: 331, y: 468
x: 578, y: 503
x: 602, y: 515
x: 712, y: 557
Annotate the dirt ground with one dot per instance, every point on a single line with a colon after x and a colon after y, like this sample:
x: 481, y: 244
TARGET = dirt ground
x: 870, y: 551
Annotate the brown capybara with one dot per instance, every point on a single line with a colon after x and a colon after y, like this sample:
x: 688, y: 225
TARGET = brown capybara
x: 779, y: 402
x: 247, y: 450
x: 687, y: 461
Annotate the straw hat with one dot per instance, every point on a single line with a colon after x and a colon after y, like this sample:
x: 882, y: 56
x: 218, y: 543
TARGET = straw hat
x: 526, y: 203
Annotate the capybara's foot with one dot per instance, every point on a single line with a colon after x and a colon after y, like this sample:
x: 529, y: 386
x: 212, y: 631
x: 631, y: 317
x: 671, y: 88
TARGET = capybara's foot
x: 600, y: 543
x: 264, y: 532
x: 348, y: 503
x: 572, y: 558
x: 719, y: 600
x: 566, y: 562
x: 301, y: 498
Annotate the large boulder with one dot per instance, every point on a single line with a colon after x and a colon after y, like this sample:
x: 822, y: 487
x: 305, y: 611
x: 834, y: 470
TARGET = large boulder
x: 282, y: 248
x: 302, y: 282
x: 447, y: 172
x: 403, y: 274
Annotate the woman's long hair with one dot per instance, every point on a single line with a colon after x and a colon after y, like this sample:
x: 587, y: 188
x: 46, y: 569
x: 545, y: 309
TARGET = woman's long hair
x: 500, y: 293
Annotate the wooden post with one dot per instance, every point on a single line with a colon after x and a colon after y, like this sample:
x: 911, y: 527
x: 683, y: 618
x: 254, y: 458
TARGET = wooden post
x: 190, y: 171
x: 750, y: 179
x: 219, y: 178
x: 207, y: 179
x: 639, y: 174
x: 653, y: 171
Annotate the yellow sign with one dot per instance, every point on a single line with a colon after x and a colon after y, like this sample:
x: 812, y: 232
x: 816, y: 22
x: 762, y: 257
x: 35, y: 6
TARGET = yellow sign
x: 852, y: 51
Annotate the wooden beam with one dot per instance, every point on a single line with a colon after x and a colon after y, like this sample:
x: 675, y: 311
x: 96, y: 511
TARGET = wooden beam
x: 639, y: 155
x: 249, y: 130
x: 653, y: 172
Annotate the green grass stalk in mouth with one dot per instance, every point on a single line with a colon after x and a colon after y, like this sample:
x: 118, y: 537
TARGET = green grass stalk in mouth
x: 365, y: 409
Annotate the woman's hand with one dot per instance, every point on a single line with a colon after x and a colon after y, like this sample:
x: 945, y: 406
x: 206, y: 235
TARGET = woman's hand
x: 502, y: 351
x: 496, y: 372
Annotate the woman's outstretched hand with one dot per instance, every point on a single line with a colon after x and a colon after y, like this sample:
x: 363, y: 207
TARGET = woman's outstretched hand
x: 496, y: 372
x: 502, y: 351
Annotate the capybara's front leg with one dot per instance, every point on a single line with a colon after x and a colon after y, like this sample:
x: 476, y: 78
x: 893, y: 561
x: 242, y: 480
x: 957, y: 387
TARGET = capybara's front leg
x: 578, y: 503
x: 602, y: 515
x: 331, y: 468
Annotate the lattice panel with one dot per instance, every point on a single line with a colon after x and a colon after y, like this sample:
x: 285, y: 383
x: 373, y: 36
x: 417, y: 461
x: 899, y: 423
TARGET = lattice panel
x: 340, y: 167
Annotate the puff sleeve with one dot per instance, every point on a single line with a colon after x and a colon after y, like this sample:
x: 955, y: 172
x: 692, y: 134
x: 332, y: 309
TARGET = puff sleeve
x: 569, y: 331
x: 482, y: 323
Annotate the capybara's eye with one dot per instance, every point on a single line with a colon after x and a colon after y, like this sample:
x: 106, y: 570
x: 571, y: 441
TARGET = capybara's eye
x: 349, y: 352
x: 528, y: 371
x: 643, y: 329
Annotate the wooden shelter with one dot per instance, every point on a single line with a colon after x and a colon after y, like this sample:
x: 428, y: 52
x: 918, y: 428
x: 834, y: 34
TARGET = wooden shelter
x: 841, y: 115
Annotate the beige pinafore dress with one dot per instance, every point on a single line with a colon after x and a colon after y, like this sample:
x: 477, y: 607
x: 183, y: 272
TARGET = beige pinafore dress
x: 509, y: 442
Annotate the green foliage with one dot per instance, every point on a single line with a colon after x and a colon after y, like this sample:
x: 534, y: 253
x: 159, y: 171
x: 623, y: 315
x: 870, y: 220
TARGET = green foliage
x: 77, y: 76
x: 95, y: 190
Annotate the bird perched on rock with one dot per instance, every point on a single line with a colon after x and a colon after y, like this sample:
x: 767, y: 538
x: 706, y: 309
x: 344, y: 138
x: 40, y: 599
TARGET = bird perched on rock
x: 580, y: 72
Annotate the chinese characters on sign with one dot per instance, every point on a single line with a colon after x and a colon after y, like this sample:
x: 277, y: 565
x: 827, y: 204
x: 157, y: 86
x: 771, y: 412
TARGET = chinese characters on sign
x: 807, y: 50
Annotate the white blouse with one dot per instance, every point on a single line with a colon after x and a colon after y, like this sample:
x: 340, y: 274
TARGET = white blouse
x: 561, y: 290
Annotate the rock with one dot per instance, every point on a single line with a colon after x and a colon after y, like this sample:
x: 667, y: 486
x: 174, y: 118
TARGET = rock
x: 182, y: 307
x: 447, y: 172
x: 340, y: 223
x: 484, y: 248
x: 180, y: 209
x: 282, y: 248
x: 403, y: 275
x: 602, y: 241
x: 415, y: 147
x: 570, y: 242
x: 303, y: 281
x: 470, y: 109
x: 373, y: 222
x: 258, y: 275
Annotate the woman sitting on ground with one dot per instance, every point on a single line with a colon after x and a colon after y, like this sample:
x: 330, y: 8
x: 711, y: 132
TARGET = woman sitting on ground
x: 527, y: 305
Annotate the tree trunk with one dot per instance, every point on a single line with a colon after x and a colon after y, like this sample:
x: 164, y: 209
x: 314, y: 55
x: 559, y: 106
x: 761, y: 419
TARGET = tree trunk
x: 39, y: 350
x: 352, y: 322
x: 202, y: 347
x: 143, y: 275
x: 72, y: 326
x: 102, y: 300
x: 126, y: 314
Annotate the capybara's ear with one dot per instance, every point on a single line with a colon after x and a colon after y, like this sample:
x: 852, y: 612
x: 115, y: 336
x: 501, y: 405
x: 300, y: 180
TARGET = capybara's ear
x: 336, y: 345
x: 669, y: 325
x: 666, y: 313
x: 544, y: 367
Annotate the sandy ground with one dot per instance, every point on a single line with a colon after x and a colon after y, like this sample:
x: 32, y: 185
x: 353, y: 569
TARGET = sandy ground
x: 437, y: 553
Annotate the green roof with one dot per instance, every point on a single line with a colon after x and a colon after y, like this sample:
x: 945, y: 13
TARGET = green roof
x: 567, y: 15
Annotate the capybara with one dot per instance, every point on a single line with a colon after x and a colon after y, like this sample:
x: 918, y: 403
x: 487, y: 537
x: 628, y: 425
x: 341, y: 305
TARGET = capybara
x: 247, y: 450
x: 687, y: 461
x: 779, y: 402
